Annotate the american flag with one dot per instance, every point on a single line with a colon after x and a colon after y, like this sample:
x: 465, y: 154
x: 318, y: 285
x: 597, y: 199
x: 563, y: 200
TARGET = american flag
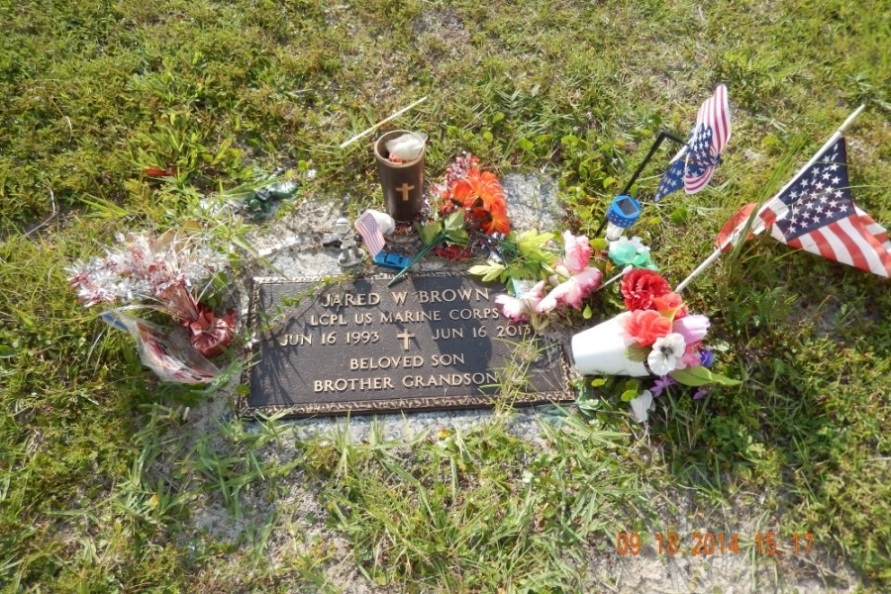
x: 816, y: 214
x: 695, y: 163
x: 371, y: 234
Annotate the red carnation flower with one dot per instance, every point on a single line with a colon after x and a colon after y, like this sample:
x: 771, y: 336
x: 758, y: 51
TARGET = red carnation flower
x: 641, y: 286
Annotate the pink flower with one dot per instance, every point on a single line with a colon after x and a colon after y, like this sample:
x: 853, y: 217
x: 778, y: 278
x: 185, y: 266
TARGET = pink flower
x: 576, y: 252
x: 692, y: 328
x: 518, y: 309
x: 691, y: 357
x: 572, y: 291
x: 670, y: 302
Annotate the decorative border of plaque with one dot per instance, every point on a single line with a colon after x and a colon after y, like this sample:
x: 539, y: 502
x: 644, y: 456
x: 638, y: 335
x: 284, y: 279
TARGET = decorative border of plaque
x: 268, y: 390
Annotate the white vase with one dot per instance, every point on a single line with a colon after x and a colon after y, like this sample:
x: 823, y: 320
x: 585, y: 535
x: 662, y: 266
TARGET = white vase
x: 601, y: 350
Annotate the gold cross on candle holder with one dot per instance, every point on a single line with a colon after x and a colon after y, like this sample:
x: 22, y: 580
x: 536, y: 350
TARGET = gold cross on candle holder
x: 405, y: 189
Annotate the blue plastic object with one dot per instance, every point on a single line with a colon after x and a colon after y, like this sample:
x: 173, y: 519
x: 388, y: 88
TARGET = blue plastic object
x: 391, y: 260
x: 624, y: 211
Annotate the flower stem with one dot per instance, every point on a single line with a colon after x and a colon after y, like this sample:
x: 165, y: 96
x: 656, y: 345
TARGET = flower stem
x: 424, y: 251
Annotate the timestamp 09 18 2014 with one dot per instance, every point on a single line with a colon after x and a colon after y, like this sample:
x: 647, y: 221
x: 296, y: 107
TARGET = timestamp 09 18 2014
x: 715, y: 543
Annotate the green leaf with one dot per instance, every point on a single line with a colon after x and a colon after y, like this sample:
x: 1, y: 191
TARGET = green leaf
x: 6, y: 352
x: 458, y: 237
x: 531, y: 239
x: 637, y: 353
x: 496, y: 272
x: 430, y: 232
x: 489, y: 271
x: 587, y: 313
x: 679, y: 215
x: 453, y: 228
x: 598, y: 244
x: 629, y: 395
x: 598, y: 382
x: 701, y: 376
x: 588, y: 405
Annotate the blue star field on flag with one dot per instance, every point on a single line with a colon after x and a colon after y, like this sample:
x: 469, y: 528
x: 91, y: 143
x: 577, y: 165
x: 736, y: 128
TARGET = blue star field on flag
x: 820, y: 197
x: 694, y: 164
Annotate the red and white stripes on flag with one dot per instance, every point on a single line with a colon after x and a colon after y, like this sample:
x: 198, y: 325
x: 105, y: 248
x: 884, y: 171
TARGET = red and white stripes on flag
x: 816, y: 213
x: 714, y: 115
x: 371, y: 234
x: 856, y: 240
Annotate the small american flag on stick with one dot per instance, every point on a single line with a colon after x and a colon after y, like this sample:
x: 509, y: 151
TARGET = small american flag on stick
x: 816, y: 214
x: 371, y: 234
x: 695, y: 163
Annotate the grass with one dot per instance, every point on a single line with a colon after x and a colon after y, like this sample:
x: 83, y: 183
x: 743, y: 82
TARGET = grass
x: 483, y: 528
x: 104, y: 487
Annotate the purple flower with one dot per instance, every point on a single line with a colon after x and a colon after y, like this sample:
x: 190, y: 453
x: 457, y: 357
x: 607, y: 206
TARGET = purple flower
x: 662, y: 384
x: 706, y: 357
x: 692, y: 328
x: 702, y: 392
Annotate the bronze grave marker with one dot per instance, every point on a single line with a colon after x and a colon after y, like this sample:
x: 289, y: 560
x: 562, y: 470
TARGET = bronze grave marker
x: 434, y: 341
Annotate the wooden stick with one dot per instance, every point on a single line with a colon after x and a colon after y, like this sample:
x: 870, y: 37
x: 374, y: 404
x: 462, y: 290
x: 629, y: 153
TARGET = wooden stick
x: 50, y: 218
x: 365, y: 133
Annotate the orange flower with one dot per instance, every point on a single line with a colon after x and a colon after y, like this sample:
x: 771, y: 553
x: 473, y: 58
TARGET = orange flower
x: 495, y: 220
x: 479, y: 188
x: 646, y: 325
x: 462, y: 191
x: 481, y: 194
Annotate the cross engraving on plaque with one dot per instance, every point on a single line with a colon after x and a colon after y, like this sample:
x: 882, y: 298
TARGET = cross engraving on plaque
x: 405, y: 335
x: 405, y: 189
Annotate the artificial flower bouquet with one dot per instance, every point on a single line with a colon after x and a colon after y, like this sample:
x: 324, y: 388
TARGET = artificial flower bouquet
x: 560, y: 282
x: 656, y: 336
x: 472, y: 211
x: 161, y: 273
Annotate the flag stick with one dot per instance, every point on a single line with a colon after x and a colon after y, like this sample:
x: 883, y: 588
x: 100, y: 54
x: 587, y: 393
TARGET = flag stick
x: 755, y: 217
x: 625, y: 271
x: 365, y: 133
x: 662, y: 136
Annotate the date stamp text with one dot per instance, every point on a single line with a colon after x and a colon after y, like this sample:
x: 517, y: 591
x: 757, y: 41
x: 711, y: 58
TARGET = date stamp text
x: 707, y: 544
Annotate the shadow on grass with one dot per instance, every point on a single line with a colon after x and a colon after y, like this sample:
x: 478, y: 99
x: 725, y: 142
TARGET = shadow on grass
x: 807, y: 428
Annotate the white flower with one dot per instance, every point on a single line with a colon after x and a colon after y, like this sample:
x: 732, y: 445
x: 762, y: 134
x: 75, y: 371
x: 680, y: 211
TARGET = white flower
x: 641, y: 406
x: 666, y: 354
x: 518, y: 309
